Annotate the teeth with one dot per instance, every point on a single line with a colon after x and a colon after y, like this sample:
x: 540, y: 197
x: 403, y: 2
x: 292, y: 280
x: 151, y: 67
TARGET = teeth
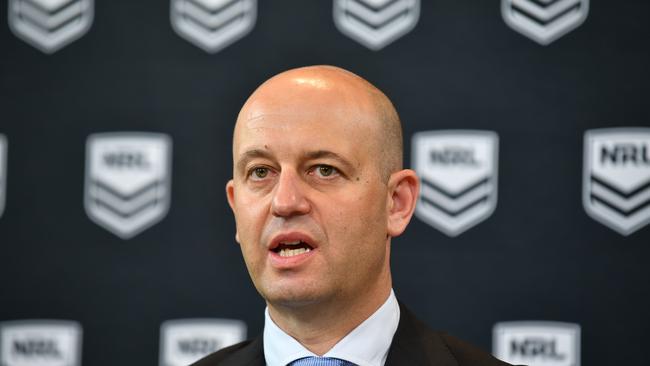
x: 291, y: 252
x: 291, y: 242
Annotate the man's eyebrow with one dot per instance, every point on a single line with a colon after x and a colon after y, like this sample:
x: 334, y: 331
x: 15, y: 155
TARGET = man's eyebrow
x: 310, y: 155
x: 249, y: 155
x: 320, y: 154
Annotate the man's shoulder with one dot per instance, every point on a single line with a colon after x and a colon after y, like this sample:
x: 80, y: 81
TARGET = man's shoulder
x: 245, y: 353
x: 417, y: 344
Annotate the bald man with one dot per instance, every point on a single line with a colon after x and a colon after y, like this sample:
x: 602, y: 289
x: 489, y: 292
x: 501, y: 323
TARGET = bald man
x: 318, y: 192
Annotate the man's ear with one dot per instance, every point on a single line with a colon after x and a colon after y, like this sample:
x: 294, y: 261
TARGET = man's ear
x: 403, y: 190
x: 230, y: 195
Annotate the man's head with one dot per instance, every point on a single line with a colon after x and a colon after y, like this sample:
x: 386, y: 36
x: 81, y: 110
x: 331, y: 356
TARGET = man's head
x: 318, y: 188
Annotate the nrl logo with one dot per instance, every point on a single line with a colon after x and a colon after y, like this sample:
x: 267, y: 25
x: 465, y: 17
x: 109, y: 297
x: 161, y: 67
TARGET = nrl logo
x: 544, y: 21
x: 185, y: 341
x: 376, y: 23
x: 49, y: 25
x: 537, y: 343
x: 40, y: 342
x: 128, y: 181
x: 213, y: 24
x: 458, y: 170
x: 616, y: 177
x: 3, y: 172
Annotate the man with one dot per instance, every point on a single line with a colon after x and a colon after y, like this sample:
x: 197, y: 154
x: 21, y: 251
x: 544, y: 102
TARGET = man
x: 318, y: 191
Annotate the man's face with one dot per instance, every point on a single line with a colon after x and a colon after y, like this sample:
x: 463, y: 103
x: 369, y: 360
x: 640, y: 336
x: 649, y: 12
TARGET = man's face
x: 307, y: 192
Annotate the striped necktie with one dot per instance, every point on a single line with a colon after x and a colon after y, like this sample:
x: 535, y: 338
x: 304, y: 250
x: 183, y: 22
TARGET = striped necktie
x: 320, y: 361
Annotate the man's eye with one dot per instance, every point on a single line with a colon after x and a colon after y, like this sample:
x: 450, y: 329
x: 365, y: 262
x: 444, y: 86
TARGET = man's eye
x: 260, y: 173
x: 325, y: 170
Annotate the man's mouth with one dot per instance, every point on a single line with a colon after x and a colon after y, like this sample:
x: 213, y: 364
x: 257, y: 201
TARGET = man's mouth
x: 292, y: 248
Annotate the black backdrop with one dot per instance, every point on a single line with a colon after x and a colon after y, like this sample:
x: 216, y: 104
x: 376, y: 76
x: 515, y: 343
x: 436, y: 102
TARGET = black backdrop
x: 539, y: 256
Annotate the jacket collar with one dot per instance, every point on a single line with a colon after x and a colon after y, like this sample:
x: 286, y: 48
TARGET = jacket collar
x: 250, y: 355
x: 415, y: 344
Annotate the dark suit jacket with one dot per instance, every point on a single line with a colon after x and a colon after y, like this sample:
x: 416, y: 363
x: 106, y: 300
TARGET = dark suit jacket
x: 414, y: 344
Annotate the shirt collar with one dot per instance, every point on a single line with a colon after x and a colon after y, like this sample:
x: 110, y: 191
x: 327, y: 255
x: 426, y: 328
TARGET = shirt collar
x: 365, y: 345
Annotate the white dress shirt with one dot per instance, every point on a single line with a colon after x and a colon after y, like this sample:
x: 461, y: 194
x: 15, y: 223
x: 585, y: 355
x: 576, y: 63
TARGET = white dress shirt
x: 365, y: 345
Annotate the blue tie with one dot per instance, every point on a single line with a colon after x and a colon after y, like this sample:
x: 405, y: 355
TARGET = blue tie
x: 320, y: 361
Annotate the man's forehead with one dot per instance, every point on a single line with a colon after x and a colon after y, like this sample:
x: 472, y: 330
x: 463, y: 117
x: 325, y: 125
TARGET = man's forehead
x: 298, y: 136
x: 325, y: 114
x: 326, y: 122
x: 274, y: 130
x: 300, y: 130
x: 307, y: 103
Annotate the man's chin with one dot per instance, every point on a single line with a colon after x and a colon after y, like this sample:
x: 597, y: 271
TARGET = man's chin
x: 292, y: 298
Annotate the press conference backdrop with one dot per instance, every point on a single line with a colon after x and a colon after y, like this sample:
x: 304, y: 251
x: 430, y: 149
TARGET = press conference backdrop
x: 527, y: 121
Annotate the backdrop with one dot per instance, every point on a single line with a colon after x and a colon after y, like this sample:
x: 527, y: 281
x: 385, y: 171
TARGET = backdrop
x: 539, y: 256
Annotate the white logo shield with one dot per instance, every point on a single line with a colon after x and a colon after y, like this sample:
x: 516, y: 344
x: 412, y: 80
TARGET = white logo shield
x: 40, y: 343
x: 128, y: 180
x: 544, y: 21
x: 458, y: 170
x: 616, y: 177
x: 537, y: 343
x: 185, y: 341
x: 49, y: 25
x: 3, y: 172
x: 376, y: 23
x: 213, y: 24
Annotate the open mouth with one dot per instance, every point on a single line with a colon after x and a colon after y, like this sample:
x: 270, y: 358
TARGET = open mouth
x: 292, y: 248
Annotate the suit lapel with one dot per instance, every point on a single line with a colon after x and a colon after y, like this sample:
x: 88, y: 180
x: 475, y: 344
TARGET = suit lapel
x: 415, y: 344
x: 250, y: 355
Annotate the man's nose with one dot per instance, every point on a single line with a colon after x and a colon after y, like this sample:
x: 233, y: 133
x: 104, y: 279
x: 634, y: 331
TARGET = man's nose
x: 289, y: 196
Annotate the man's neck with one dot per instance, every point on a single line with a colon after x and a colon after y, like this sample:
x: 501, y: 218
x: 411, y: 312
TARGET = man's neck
x: 318, y: 327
